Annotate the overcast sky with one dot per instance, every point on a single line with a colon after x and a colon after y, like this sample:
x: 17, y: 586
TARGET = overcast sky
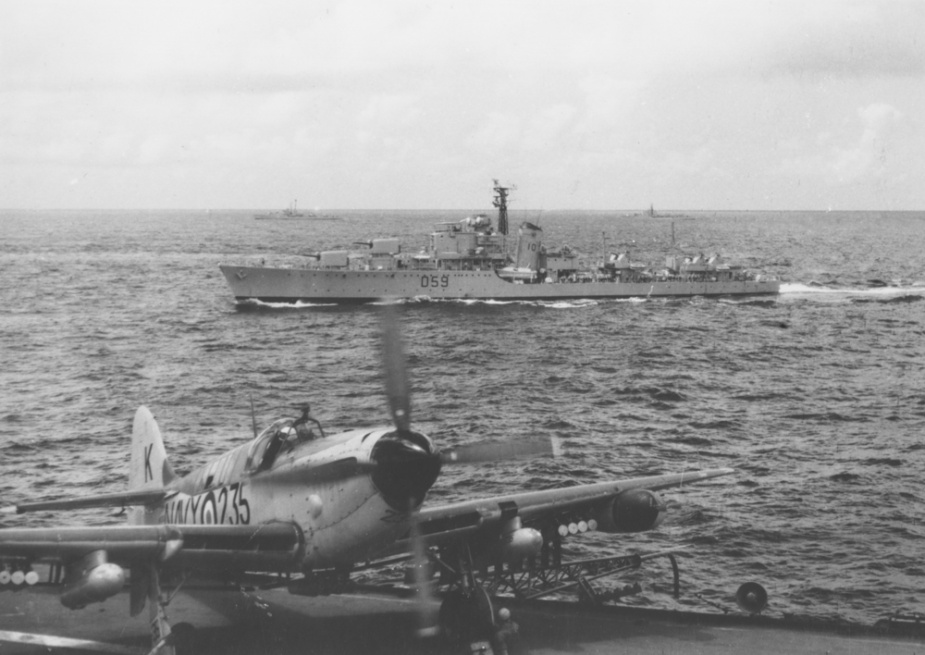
x: 595, y: 105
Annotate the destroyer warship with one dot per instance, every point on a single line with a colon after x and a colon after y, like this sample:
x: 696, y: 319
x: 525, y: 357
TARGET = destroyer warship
x: 293, y: 213
x: 470, y: 260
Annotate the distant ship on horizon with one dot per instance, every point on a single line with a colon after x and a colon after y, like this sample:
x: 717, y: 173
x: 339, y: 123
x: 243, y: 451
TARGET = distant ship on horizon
x: 292, y: 213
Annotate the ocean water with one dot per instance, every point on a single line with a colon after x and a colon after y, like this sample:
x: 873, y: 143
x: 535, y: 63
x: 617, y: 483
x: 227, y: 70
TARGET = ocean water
x: 815, y: 397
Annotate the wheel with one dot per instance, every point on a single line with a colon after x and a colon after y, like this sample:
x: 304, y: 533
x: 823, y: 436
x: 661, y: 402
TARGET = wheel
x: 467, y: 617
x: 451, y: 619
x: 183, y: 636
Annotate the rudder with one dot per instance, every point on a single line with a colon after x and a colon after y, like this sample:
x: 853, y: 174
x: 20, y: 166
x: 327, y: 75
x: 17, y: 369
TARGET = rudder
x: 149, y: 466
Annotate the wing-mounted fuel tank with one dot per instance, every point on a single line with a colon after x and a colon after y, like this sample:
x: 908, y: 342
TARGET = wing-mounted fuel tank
x: 634, y: 510
x: 92, y: 579
x: 519, y: 543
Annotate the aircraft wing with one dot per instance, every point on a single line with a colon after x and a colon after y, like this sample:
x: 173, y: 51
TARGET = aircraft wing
x: 455, y: 521
x: 195, y: 547
x: 120, y: 499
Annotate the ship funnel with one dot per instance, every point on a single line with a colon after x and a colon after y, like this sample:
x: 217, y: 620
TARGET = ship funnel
x: 529, y: 240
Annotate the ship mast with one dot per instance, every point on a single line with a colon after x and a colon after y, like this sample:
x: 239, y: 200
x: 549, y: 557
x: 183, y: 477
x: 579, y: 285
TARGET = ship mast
x: 500, y: 202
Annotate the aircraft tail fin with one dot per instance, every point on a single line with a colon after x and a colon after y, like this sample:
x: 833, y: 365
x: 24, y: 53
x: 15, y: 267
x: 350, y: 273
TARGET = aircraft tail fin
x: 149, y: 466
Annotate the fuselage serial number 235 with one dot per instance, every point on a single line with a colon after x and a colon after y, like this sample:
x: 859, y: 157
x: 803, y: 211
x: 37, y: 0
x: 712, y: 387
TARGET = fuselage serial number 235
x: 219, y: 506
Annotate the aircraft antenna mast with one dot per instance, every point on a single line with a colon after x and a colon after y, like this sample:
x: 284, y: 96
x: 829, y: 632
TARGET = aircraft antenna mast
x: 500, y: 202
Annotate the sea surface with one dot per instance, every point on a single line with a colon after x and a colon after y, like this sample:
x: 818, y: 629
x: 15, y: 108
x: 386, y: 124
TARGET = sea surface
x: 815, y: 397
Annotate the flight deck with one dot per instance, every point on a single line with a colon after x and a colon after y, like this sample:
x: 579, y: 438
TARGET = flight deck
x: 276, y: 622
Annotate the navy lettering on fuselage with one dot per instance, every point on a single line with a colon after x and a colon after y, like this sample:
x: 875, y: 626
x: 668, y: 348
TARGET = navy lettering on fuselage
x: 226, y: 506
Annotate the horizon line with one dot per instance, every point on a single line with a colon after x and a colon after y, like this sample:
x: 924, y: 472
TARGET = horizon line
x: 665, y: 213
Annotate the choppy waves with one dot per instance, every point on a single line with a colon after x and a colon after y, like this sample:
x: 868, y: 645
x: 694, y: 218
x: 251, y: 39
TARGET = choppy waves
x: 816, y: 398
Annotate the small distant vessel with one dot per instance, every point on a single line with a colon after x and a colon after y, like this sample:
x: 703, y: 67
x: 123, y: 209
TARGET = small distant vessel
x: 292, y: 213
x: 470, y: 260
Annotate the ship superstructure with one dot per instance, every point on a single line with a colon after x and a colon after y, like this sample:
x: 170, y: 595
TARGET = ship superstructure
x: 474, y: 259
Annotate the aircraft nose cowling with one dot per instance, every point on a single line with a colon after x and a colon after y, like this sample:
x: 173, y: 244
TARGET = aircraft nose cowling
x: 635, y: 510
x: 406, y: 468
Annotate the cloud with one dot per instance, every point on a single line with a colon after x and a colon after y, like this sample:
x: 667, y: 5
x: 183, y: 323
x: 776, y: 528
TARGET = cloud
x: 698, y: 162
x: 390, y: 111
x: 548, y: 126
x: 866, y: 158
x: 499, y: 132
x: 606, y: 102
x: 839, y: 159
x: 283, y: 91
x: 878, y: 116
x: 851, y: 39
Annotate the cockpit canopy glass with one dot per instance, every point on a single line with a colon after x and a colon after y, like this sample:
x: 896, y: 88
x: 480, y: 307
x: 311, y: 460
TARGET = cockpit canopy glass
x: 280, y: 437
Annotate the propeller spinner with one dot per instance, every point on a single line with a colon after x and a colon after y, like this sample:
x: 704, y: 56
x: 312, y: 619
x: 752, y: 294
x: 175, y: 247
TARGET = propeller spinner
x: 407, y: 464
x: 404, y: 464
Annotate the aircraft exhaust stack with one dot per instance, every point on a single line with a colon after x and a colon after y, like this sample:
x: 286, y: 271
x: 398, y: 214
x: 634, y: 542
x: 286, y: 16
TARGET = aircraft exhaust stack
x: 92, y: 580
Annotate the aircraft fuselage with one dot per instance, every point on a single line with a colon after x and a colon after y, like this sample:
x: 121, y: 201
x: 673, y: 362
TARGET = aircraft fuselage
x: 344, y: 517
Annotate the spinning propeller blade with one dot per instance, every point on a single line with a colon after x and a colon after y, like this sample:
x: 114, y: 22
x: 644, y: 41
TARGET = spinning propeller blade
x: 396, y: 370
x: 253, y: 417
x: 398, y: 391
x: 427, y: 617
x: 404, y: 462
x: 51, y: 641
x: 478, y: 453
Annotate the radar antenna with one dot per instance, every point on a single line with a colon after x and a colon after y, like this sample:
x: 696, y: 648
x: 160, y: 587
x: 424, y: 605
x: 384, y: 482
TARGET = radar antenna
x: 500, y: 202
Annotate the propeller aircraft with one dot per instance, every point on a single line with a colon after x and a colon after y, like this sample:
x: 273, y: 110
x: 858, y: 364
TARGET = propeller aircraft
x: 311, y: 508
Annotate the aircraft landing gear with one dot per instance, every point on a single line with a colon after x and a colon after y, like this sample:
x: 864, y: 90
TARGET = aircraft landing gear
x: 146, y: 588
x: 467, y: 616
x: 149, y: 583
x: 183, y: 637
